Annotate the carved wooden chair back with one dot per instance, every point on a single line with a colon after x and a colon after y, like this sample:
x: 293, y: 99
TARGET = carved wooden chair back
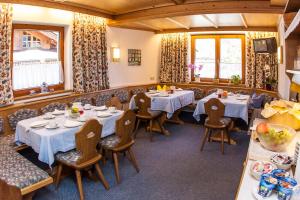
x: 143, y: 102
x: 9, y: 192
x: 125, y: 127
x: 215, y: 109
x: 87, y: 139
x: 115, y: 102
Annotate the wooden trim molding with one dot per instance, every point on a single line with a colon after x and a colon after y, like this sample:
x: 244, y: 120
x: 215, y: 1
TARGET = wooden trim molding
x: 200, y: 8
x: 60, y: 29
x: 64, y: 6
x: 220, y: 28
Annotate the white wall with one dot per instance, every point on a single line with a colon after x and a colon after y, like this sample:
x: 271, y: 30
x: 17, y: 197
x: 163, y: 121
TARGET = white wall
x: 120, y: 73
x: 283, y: 79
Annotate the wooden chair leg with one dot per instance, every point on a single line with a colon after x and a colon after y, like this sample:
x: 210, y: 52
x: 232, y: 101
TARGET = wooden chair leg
x: 137, y: 127
x: 59, y: 170
x: 133, y: 160
x: 101, y: 176
x: 222, y: 141
x: 209, y: 135
x: 116, y: 164
x: 204, y: 139
x: 228, y: 136
x: 151, y: 134
x: 79, y: 184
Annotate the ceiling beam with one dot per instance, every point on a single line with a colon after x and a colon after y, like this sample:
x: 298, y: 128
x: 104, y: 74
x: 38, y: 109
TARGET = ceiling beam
x: 64, y: 6
x: 210, y: 21
x: 177, y: 2
x: 200, y: 8
x: 149, y: 26
x: 177, y: 23
x: 243, y: 18
x: 221, y: 28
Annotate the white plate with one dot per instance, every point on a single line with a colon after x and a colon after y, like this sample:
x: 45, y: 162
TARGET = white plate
x: 273, y: 195
x: 48, y: 117
x: 241, y: 98
x: 114, y: 112
x: 103, y: 115
x: 48, y: 127
x: 72, y: 124
x: 101, y: 108
x: 38, y: 124
x: 163, y: 95
x: 58, y: 112
x: 82, y: 119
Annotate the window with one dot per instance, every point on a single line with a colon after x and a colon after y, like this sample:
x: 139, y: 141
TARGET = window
x: 220, y: 55
x: 37, y: 57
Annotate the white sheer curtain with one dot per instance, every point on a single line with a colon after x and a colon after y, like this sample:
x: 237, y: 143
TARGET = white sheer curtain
x: 34, y: 73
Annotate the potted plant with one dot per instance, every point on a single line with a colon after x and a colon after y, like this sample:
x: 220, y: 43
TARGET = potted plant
x: 270, y: 83
x: 196, y: 69
x: 235, y: 79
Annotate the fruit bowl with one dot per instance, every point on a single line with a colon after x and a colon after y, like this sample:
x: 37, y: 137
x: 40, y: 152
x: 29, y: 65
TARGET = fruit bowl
x: 275, y: 137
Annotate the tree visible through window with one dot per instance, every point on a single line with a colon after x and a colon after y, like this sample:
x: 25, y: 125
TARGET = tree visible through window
x: 220, y: 55
x: 37, y: 57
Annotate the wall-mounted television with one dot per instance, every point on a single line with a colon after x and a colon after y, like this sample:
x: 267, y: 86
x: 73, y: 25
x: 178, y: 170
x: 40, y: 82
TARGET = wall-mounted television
x: 265, y: 45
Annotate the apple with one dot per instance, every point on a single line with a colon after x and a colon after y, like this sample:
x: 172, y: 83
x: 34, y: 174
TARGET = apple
x: 262, y: 128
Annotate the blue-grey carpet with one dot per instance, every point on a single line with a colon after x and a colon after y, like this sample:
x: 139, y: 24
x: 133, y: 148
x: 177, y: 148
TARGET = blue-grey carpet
x: 171, y: 168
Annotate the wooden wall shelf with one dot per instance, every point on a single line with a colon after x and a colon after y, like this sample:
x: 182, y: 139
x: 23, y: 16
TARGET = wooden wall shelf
x: 294, y: 28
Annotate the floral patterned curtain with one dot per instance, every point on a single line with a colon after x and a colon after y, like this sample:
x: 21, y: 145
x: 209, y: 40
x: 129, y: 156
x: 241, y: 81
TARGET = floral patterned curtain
x: 173, y: 64
x: 90, y: 68
x: 6, y: 93
x: 259, y: 66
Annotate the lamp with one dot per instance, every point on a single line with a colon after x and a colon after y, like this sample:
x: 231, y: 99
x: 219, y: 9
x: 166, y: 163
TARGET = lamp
x: 116, y: 54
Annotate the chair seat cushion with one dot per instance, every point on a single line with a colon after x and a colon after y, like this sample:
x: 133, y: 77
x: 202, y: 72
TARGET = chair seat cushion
x: 69, y: 157
x: 18, y: 171
x: 110, y: 142
x: 10, y: 140
x: 225, y: 120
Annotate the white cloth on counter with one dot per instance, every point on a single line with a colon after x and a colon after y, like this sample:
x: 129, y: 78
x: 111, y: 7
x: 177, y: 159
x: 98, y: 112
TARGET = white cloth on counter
x: 47, y: 142
x: 234, y: 106
x: 168, y: 104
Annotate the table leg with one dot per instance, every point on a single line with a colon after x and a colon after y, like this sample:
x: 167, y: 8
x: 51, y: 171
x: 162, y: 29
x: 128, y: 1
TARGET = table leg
x: 158, y: 125
x: 175, y: 117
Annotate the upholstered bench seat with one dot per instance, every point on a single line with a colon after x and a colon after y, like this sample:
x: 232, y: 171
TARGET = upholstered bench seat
x: 18, y: 171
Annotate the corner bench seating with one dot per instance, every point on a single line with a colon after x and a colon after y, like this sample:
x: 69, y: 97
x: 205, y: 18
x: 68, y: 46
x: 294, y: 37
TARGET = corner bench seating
x: 17, y: 171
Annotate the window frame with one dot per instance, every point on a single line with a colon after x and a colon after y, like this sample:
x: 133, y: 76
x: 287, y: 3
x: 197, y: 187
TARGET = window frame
x: 61, y: 30
x: 218, y: 38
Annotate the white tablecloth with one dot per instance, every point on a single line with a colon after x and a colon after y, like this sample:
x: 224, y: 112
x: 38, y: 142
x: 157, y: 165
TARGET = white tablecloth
x: 233, y: 106
x: 169, y: 104
x: 48, y: 142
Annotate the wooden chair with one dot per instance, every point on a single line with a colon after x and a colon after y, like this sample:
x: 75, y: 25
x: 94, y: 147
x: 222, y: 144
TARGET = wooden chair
x: 144, y: 113
x: 85, y: 155
x: 215, y: 109
x: 122, y: 141
x: 114, y: 102
x: 9, y: 192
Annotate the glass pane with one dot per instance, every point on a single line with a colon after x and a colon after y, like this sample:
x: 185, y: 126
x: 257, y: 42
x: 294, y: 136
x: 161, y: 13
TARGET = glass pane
x: 231, y: 57
x: 205, y: 55
x: 36, y: 58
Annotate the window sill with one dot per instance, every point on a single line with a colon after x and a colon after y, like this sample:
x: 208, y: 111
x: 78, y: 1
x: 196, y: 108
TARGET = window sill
x: 216, y: 84
x: 41, y: 96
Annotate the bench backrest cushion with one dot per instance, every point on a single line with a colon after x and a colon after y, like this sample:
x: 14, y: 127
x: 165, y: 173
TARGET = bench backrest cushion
x: 20, y: 115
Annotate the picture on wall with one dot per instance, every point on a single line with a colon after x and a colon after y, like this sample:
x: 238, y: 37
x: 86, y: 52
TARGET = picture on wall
x: 134, y: 57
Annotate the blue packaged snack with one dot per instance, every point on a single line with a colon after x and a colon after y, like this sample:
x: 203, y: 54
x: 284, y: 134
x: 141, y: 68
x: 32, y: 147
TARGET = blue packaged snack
x: 280, y: 174
x: 285, y: 188
x: 266, y: 185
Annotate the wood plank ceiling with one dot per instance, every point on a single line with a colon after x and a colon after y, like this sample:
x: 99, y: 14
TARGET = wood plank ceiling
x: 176, y: 15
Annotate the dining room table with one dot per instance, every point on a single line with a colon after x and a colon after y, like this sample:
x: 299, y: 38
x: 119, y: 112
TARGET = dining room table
x: 236, y: 106
x: 47, y: 141
x: 170, y: 104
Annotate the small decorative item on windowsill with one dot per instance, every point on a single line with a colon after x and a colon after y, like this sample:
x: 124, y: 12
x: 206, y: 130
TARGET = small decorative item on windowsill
x: 196, y: 69
x: 44, y: 87
x: 235, y: 79
x: 270, y: 84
